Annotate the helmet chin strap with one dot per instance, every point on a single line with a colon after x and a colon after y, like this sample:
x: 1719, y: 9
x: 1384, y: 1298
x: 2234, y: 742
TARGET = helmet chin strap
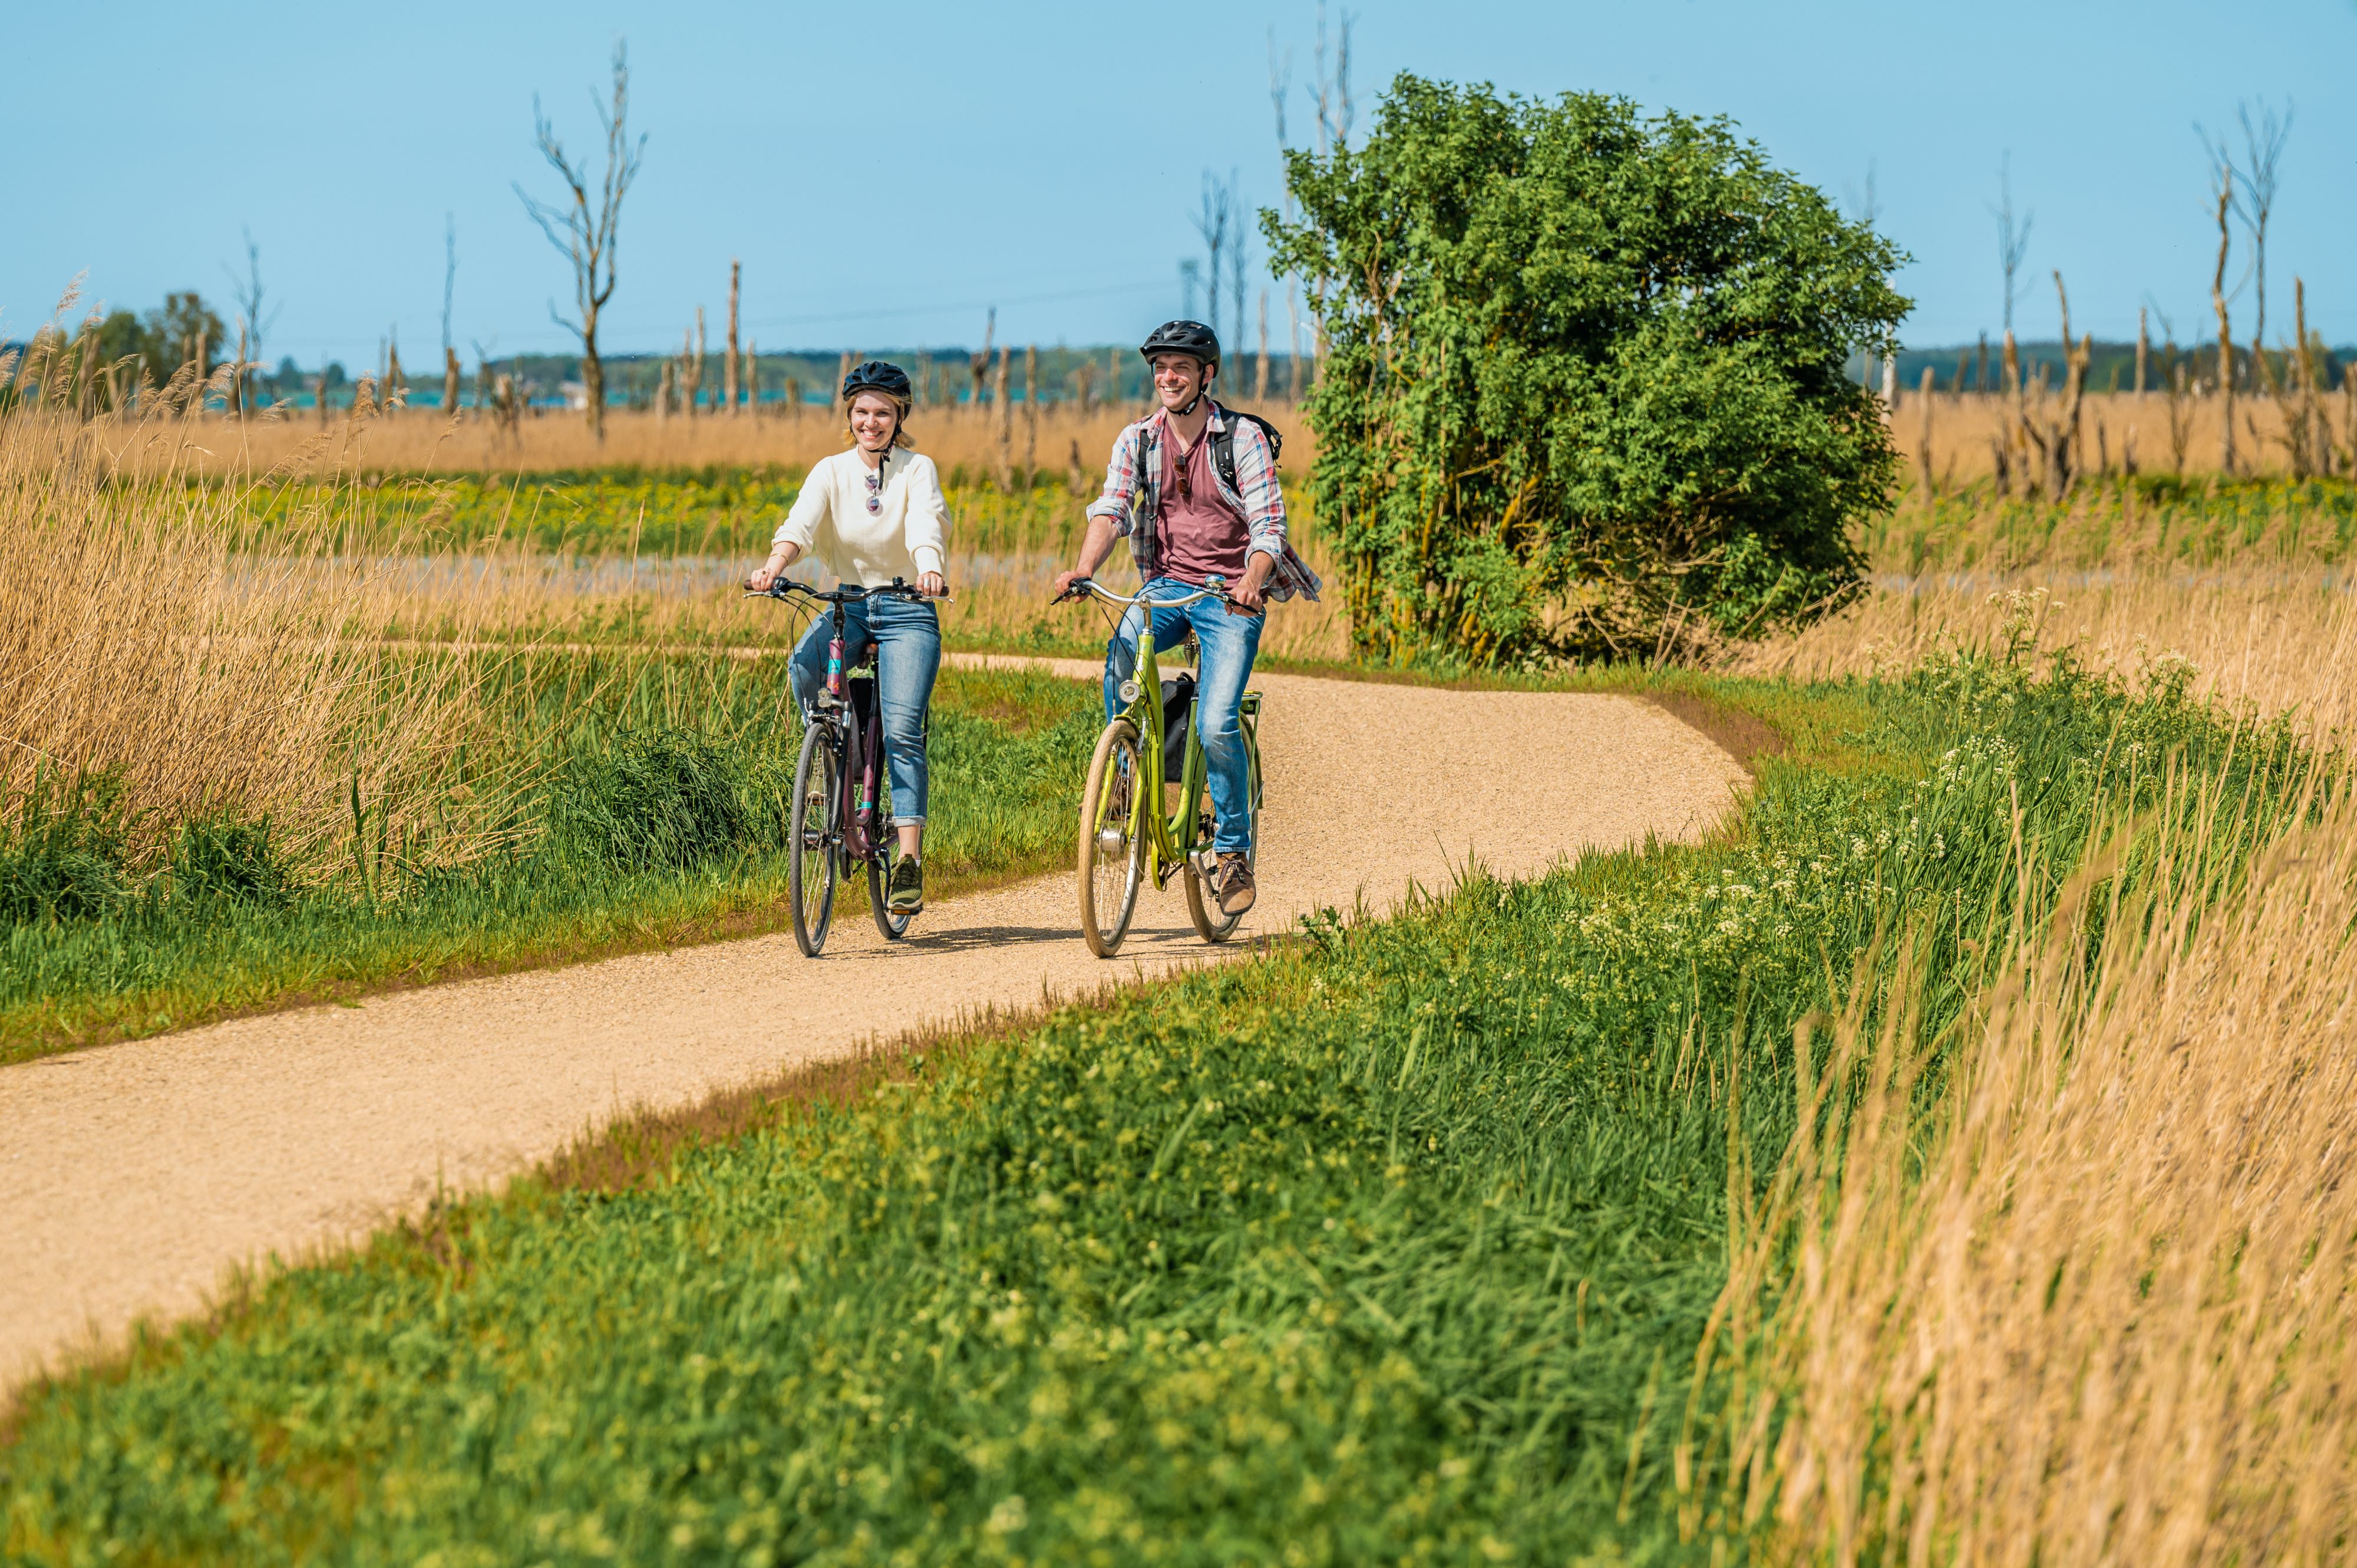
x: 1202, y: 391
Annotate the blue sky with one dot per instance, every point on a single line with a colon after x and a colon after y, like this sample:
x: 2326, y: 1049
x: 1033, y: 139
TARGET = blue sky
x: 885, y: 171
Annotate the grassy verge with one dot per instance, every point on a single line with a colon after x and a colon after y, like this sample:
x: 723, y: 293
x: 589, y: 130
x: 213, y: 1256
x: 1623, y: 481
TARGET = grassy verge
x: 655, y: 819
x: 1401, y: 1245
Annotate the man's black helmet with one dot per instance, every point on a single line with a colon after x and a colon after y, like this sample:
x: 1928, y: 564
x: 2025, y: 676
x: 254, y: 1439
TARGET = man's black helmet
x: 1192, y: 338
x: 877, y: 375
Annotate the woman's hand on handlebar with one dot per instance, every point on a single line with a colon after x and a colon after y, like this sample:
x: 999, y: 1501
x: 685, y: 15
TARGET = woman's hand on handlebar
x: 929, y: 584
x: 764, y: 576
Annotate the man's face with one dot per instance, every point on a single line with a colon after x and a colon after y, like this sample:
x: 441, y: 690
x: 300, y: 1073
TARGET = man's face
x: 1177, y: 379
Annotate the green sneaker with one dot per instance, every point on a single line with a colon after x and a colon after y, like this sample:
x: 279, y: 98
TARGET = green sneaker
x: 905, y: 894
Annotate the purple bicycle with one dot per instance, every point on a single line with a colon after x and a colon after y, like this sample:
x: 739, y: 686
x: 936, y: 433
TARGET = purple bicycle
x: 835, y: 823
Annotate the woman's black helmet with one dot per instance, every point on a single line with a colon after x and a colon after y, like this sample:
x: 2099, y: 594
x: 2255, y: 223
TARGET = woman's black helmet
x: 880, y: 376
x: 1189, y: 338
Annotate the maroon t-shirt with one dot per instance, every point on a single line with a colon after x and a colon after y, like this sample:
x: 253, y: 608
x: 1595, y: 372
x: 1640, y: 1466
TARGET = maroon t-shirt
x: 1200, y: 536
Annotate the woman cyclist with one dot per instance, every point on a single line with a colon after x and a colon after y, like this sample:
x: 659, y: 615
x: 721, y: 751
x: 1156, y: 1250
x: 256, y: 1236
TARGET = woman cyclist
x: 870, y: 515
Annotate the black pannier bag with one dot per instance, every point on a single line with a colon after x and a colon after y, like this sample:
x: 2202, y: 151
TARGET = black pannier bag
x: 1178, y: 712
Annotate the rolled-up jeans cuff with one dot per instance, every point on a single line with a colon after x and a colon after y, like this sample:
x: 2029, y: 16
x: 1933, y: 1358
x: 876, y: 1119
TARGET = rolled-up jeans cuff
x: 908, y: 821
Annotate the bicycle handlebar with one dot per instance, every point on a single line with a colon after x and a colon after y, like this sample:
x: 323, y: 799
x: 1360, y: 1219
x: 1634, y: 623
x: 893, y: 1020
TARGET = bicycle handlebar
x: 896, y: 589
x: 1090, y: 586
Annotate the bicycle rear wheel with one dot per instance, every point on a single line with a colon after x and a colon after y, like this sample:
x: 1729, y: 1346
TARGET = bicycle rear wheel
x: 815, y: 835
x: 1212, y: 923
x: 1112, y: 860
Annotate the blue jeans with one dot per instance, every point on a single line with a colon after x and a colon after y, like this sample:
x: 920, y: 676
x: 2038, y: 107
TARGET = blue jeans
x: 1229, y: 642
x: 908, y: 639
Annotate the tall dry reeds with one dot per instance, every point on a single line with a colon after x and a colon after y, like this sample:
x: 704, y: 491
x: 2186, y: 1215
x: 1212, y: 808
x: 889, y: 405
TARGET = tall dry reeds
x: 147, y: 637
x: 957, y: 437
x: 2091, y: 1301
x: 2171, y: 430
x: 2276, y: 640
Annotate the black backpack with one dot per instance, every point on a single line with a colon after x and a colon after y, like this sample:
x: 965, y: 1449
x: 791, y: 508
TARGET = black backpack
x: 1223, y: 444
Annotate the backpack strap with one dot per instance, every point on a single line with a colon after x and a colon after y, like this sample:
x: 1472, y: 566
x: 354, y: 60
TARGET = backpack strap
x: 1224, y: 442
x: 1224, y: 447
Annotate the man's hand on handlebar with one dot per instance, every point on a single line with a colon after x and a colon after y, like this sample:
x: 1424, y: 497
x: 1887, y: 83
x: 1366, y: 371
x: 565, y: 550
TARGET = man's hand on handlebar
x: 1069, y: 586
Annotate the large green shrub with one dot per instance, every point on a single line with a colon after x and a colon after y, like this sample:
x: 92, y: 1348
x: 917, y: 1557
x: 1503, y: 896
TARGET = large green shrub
x: 1585, y: 392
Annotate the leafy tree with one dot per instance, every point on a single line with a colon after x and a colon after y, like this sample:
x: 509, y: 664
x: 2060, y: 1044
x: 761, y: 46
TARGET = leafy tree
x: 119, y: 336
x: 1585, y: 392
x: 175, y: 335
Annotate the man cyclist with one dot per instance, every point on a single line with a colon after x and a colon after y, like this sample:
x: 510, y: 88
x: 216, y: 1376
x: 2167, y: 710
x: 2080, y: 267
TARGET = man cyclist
x: 1194, y: 486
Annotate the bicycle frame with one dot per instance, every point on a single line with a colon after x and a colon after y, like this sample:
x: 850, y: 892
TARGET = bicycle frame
x: 862, y: 744
x: 1168, y: 837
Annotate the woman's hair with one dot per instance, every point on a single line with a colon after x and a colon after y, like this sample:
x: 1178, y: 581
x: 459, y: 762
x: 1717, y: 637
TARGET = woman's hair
x: 900, y: 406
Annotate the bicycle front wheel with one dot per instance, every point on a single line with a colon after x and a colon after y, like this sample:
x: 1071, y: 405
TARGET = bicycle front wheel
x: 1112, y: 860
x: 879, y: 877
x: 815, y: 835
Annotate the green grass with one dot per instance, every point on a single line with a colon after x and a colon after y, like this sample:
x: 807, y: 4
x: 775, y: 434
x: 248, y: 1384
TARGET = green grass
x: 1398, y: 1245
x: 652, y: 816
x: 629, y: 510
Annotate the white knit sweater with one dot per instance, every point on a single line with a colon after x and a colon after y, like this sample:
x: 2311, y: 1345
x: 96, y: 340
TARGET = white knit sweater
x: 830, y: 522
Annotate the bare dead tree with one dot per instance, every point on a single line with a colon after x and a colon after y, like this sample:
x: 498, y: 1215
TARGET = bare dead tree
x: 2258, y: 176
x: 2056, y: 437
x: 1213, y: 220
x: 2012, y: 237
x: 2221, y: 193
x: 1031, y: 412
x: 978, y: 364
x: 449, y: 275
x: 588, y: 239
x: 1239, y: 250
x: 1259, y: 366
x: 1867, y: 207
x: 253, y: 322
x: 728, y: 368
x: 2144, y: 350
x: 1335, y: 108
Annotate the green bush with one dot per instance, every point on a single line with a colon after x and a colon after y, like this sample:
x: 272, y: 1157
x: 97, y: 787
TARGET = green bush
x: 1585, y: 390
x: 228, y: 863
x: 64, y: 855
x: 660, y: 800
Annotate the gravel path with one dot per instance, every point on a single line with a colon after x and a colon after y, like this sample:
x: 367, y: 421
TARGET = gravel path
x: 134, y: 1175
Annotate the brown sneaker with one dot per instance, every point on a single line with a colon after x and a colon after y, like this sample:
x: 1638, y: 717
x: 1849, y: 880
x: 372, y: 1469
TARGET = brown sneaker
x: 1234, y: 884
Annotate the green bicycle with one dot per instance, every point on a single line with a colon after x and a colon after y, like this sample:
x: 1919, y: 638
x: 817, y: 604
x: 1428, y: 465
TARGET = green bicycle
x: 1125, y: 835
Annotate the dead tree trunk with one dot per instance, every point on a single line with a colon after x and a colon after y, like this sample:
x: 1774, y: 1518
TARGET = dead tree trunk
x: 2226, y: 323
x: 752, y: 372
x: 1006, y: 427
x: 449, y: 382
x: 2144, y: 350
x: 1260, y: 369
x: 979, y: 364
x: 1923, y: 435
x: 1030, y: 412
x: 729, y: 367
x: 663, y: 391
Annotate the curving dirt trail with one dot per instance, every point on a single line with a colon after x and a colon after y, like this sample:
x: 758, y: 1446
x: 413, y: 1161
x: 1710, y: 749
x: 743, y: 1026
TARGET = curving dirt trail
x: 134, y: 1176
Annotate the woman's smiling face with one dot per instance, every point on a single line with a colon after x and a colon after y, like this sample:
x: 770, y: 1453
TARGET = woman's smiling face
x: 875, y: 419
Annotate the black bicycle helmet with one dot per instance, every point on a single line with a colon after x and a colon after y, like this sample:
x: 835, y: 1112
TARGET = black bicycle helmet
x: 881, y: 376
x: 1189, y: 338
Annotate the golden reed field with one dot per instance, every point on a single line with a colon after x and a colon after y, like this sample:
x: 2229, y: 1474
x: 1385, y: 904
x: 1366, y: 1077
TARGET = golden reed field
x: 2101, y: 1300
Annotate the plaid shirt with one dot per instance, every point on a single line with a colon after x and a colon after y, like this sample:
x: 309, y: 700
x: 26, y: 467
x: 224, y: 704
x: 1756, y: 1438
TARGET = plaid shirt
x: 1130, y: 495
